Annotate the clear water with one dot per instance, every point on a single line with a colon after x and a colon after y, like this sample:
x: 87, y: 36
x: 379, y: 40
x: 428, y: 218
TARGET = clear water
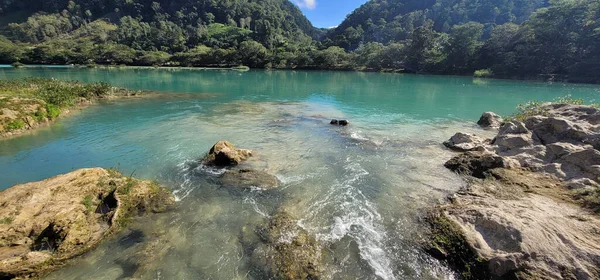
x: 359, y: 190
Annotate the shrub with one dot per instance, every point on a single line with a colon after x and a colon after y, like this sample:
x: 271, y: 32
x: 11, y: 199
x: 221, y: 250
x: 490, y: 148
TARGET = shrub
x: 483, y: 73
x: 536, y: 108
x: 52, y: 111
x: 18, y: 65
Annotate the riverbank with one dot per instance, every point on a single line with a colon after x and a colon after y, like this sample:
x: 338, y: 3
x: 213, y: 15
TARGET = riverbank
x: 45, y: 224
x: 530, y: 208
x: 32, y: 103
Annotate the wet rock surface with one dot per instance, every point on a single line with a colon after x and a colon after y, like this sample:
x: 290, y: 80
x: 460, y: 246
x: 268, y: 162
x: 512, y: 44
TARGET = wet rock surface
x: 223, y: 154
x: 490, y: 120
x: 285, y: 250
x: 249, y: 178
x: 521, y: 218
x: 48, y: 222
x: 339, y: 122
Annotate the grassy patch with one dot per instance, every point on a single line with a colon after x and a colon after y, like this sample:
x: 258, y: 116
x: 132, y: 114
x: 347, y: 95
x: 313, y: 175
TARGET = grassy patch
x: 88, y: 203
x: 14, y: 125
x: 52, y: 111
x: 536, y: 108
x: 7, y: 220
x: 53, y: 92
x: 129, y: 184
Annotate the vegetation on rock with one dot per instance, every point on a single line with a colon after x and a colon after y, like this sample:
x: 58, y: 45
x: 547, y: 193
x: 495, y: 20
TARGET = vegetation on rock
x: 29, y: 102
x: 43, y: 224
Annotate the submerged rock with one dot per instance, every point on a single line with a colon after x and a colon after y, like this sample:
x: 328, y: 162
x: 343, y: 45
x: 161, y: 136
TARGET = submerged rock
x: 339, y: 122
x: 286, y: 250
x: 464, y: 142
x: 45, y: 223
x: 224, y: 153
x: 248, y: 178
x: 490, y: 120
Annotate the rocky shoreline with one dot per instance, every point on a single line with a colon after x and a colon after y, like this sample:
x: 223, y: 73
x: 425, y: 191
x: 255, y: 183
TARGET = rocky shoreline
x: 530, y: 208
x: 44, y: 224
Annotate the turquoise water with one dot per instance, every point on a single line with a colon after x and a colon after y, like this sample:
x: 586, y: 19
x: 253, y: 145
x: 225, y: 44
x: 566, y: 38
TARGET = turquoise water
x: 359, y: 190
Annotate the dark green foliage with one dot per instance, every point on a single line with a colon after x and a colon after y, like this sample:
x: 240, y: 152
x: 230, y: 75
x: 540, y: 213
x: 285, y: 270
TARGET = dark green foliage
x: 512, y: 38
x: 388, y: 21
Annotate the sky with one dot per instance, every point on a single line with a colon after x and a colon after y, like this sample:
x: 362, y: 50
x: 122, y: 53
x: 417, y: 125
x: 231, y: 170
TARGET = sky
x: 327, y: 13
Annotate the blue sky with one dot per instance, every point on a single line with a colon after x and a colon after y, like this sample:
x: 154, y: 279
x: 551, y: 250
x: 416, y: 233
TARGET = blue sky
x: 327, y: 13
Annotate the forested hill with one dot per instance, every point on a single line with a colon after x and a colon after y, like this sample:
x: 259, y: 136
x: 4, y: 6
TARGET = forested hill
x: 186, y: 21
x: 525, y: 39
x: 386, y: 21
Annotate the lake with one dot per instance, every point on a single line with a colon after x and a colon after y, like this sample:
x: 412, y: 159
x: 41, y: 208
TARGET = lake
x: 359, y: 190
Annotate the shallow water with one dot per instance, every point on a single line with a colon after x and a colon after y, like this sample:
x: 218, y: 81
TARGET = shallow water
x: 359, y: 189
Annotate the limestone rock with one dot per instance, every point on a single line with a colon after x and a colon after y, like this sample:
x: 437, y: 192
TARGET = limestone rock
x: 464, y: 142
x: 224, y: 153
x: 287, y: 250
x: 513, y: 128
x: 48, y: 222
x: 490, y: 120
x: 476, y: 164
x: 248, y: 178
x: 513, y: 141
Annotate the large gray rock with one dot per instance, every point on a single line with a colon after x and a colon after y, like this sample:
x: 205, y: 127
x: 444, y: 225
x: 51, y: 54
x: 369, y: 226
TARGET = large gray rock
x: 464, y: 142
x: 513, y: 128
x: 513, y: 141
x: 490, y: 120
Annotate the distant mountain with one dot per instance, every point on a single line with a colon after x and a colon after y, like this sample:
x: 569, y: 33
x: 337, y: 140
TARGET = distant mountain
x: 387, y: 21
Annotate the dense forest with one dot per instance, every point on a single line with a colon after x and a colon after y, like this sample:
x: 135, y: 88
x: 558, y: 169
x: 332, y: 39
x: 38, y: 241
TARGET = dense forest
x: 503, y: 38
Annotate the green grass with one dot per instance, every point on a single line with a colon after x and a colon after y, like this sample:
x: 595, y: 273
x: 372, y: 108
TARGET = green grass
x: 536, y: 108
x: 126, y: 189
x: 52, y: 111
x: 14, y: 125
x: 7, y: 220
x: 88, y: 203
x: 53, y: 92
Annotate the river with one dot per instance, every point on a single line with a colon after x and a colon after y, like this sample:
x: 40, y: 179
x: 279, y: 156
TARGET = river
x: 359, y: 190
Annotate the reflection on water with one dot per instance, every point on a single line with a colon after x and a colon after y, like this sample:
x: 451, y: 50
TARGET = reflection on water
x: 359, y: 190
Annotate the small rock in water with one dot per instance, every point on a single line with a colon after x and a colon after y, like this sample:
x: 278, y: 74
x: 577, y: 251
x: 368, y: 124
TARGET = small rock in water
x: 226, y: 154
x: 490, y: 120
x: 339, y: 122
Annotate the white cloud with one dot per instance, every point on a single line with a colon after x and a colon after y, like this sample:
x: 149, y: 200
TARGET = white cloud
x: 309, y: 4
x: 332, y: 27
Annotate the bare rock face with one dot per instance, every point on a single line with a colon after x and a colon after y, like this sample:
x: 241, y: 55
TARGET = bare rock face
x: 523, y: 220
x: 517, y: 232
x: 249, y: 178
x: 464, y: 142
x: 224, y: 153
x: 490, y: 120
x: 46, y: 223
